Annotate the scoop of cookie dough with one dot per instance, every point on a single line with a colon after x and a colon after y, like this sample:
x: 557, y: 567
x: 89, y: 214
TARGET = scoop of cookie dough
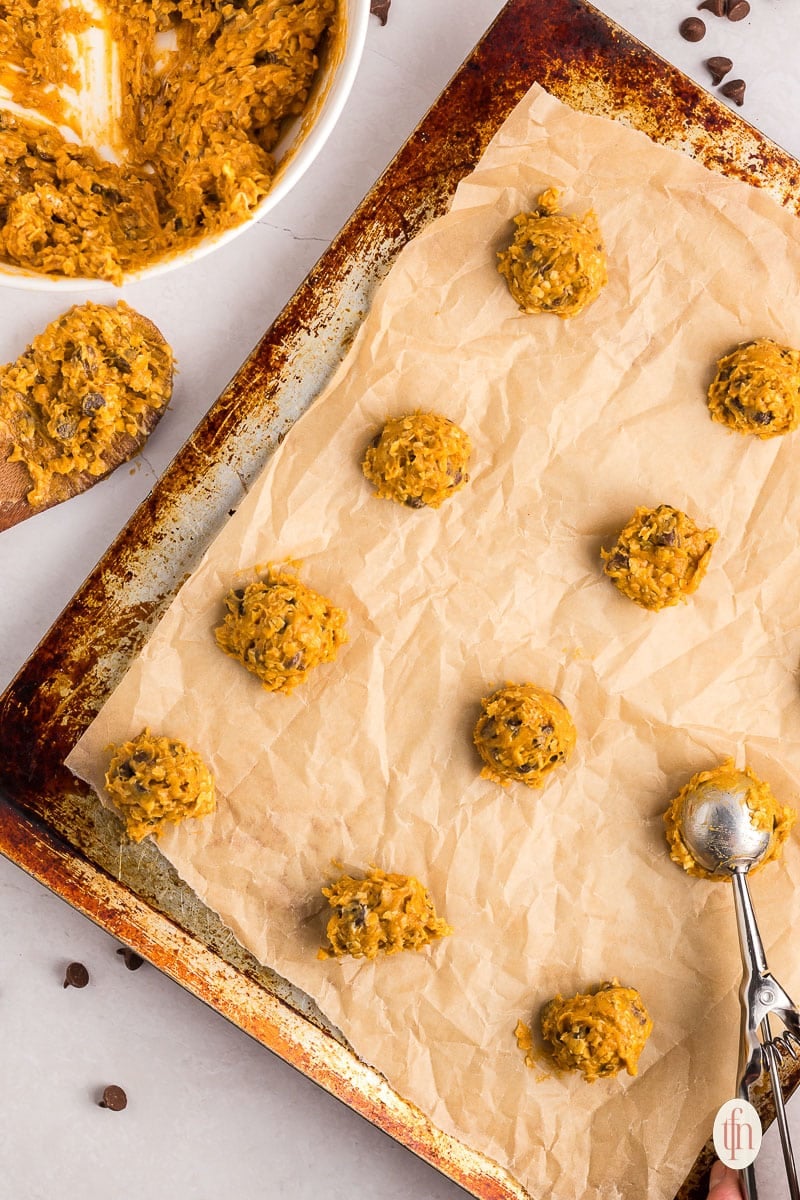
x: 157, y: 781
x: 523, y: 732
x: 380, y: 914
x: 660, y: 557
x: 419, y: 460
x: 556, y: 263
x: 757, y: 389
x: 597, y: 1033
x: 280, y: 630
x: 766, y: 812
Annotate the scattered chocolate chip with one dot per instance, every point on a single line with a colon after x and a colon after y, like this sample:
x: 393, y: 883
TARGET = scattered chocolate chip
x: 717, y: 8
x: 113, y: 1098
x: 92, y: 401
x: 734, y: 91
x: 525, y: 768
x: 738, y: 10
x: 132, y: 960
x: 719, y: 68
x: 76, y: 976
x: 763, y: 418
x: 295, y: 663
x: 692, y: 29
x: 415, y: 502
x: 380, y: 8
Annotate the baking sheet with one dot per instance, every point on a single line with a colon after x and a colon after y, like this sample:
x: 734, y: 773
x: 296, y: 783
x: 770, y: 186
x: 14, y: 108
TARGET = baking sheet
x: 574, y: 423
x: 63, y: 705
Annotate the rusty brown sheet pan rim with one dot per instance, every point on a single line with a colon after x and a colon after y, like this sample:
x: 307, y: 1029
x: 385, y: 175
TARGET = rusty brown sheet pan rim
x: 586, y: 60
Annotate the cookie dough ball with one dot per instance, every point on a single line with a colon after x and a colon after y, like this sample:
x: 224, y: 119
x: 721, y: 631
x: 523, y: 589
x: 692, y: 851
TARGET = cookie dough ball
x: 660, y: 557
x: 765, y: 813
x: 757, y: 389
x: 280, y: 630
x: 380, y: 914
x: 157, y: 781
x: 597, y: 1033
x: 419, y: 460
x: 523, y: 732
x: 556, y: 263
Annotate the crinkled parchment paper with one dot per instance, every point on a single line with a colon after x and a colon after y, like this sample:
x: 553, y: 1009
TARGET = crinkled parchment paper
x: 574, y: 423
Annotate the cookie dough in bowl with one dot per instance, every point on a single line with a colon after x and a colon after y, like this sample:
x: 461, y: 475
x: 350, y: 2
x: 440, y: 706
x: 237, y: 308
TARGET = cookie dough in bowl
x: 158, y: 781
x: 756, y: 389
x: 556, y: 263
x: 596, y: 1033
x: 766, y: 813
x: 279, y: 629
x: 380, y: 914
x: 140, y: 134
x: 522, y: 734
x: 419, y: 460
x: 660, y: 557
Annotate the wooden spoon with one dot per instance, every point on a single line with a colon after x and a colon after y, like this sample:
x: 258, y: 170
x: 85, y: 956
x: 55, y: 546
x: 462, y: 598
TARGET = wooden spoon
x: 16, y: 481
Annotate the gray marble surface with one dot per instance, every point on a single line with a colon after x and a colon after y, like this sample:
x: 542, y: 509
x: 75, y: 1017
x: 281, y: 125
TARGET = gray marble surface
x: 210, y: 1113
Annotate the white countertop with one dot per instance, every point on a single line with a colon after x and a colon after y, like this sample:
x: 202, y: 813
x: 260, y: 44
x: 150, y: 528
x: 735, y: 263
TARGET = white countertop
x: 211, y: 1113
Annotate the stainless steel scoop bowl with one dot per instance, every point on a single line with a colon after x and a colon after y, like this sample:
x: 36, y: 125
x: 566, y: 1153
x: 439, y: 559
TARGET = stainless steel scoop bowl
x: 718, y: 831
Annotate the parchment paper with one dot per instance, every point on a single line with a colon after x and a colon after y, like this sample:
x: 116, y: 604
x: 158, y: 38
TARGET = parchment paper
x: 574, y: 423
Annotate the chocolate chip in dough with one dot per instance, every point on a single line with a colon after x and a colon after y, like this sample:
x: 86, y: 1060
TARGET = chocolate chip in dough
x: 719, y: 68
x: 113, y: 1098
x: 692, y: 29
x: 132, y: 960
x: 738, y: 10
x: 380, y: 9
x: 717, y: 8
x: 734, y: 91
x: 76, y: 976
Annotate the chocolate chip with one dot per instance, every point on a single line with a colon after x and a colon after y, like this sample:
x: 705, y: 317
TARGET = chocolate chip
x: 132, y: 960
x: 125, y: 771
x: 692, y: 29
x: 526, y: 768
x: 380, y: 9
x: 719, y: 68
x: 738, y: 10
x: 295, y: 663
x: 66, y: 430
x: 92, y: 402
x: 668, y: 538
x: 76, y: 976
x: 734, y: 91
x: 415, y: 502
x: 763, y: 418
x: 717, y: 8
x: 114, y: 1098
x: 618, y: 562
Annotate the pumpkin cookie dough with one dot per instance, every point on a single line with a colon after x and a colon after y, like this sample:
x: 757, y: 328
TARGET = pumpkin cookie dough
x: 419, y: 460
x: 757, y: 389
x: 280, y: 630
x: 660, y: 557
x: 597, y: 1033
x: 194, y: 135
x: 523, y: 733
x: 94, y: 376
x: 556, y: 263
x: 380, y: 914
x: 766, y: 812
x: 157, y: 781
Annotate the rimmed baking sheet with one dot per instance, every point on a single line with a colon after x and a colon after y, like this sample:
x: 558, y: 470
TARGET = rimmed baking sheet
x: 54, y: 828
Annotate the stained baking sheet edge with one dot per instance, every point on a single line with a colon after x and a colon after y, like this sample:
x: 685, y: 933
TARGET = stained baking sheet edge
x: 49, y: 825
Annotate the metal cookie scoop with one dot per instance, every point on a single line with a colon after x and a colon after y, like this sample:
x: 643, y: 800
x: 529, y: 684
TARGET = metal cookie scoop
x: 719, y: 834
